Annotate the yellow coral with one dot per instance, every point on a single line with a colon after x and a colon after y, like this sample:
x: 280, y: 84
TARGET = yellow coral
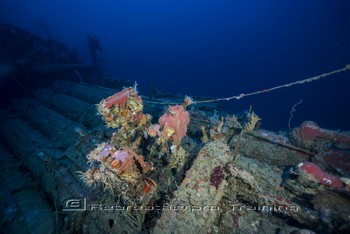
x: 252, y: 122
x: 168, y: 132
x: 205, y: 137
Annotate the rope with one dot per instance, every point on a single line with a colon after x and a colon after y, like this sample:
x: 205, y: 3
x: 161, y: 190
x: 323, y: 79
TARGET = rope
x: 308, y: 80
x: 242, y: 95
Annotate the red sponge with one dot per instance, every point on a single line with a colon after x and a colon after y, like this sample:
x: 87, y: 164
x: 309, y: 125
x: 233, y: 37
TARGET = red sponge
x: 321, y: 176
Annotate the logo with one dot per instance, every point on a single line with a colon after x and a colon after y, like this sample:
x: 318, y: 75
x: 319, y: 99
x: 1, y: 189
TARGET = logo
x: 78, y: 204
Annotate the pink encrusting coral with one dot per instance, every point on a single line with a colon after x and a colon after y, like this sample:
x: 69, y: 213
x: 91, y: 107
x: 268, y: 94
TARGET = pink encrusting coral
x: 105, y: 152
x: 310, y: 131
x: 120, y: 155
x: 154, y: 130
x: 175, y: 119
x: 119, y: 98
x: 321, y: 176
x: 217, y: 176
x: 310, y: 135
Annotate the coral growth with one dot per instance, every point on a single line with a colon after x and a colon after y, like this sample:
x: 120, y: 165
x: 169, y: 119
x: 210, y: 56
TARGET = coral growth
x: 253, y: 120
x: 339, y: 160
x: 310, y: 130
x: 334, y: 210
x: 309, y: 135
x: 130, y: 162
x: 322, y: 177
x: 216, y: 176
x: 121, y: 108
x: 174, y: 123
x: 123, y: 162
x: 118, y: 165
x: 171, y: 129
x: 119, y: 98
x: 219, y: 128
x: 154, y: 130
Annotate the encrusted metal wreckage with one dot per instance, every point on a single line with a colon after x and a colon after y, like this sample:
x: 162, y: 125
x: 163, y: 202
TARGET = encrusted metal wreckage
x: 191, y: 170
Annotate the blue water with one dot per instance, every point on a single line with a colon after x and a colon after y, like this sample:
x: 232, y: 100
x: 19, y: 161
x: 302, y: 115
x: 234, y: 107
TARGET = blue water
x: 213, y: 48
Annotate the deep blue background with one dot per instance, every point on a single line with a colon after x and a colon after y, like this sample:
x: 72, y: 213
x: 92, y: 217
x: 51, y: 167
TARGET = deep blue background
x: 213, y: 48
